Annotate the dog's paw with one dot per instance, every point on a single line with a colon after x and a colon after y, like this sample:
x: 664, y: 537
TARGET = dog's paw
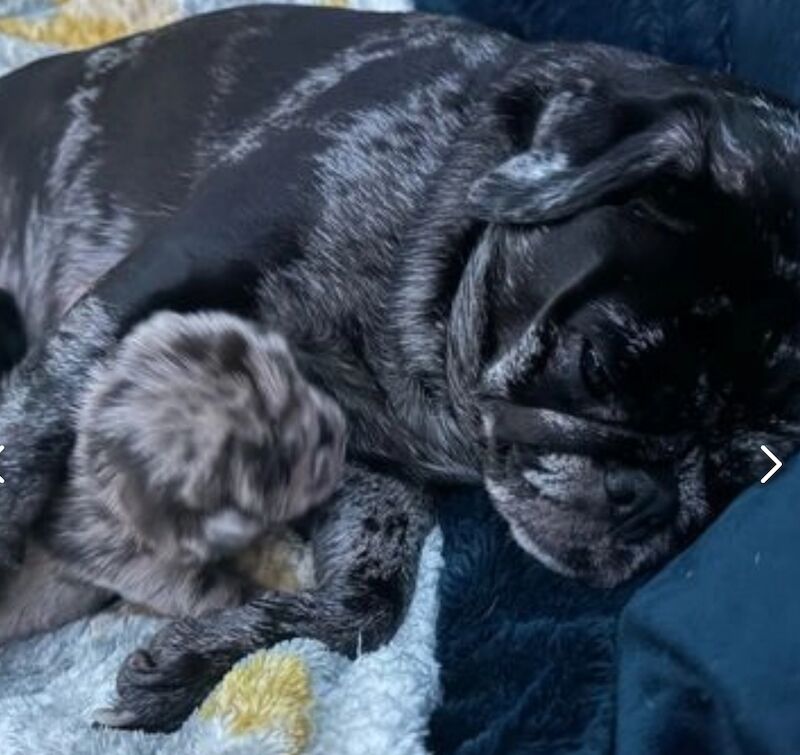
x: 159, y: 687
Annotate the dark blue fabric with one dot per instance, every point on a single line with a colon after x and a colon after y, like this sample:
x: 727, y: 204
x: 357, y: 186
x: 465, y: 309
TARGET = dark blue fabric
x: 527, y: 656
x: 710, y: 649
x: 706, y: 660
x: 765, y: 40
x: 754, y: 39
x: 686, y: 31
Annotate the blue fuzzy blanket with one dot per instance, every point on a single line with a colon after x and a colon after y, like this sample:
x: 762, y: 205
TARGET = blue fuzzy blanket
x: 528, y: 657
x: 702, y: 658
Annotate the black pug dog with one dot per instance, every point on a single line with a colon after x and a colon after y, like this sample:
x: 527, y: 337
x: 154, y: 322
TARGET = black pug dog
x: 565, y: 270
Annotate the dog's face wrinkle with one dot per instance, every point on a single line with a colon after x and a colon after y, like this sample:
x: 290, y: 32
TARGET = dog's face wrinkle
x: 666, y: 340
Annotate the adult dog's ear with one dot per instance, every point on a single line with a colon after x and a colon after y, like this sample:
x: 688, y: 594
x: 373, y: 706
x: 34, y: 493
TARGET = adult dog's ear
x: 587, y: 147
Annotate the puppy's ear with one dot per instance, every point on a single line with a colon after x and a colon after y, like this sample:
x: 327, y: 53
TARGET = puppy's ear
x: 587, y: 147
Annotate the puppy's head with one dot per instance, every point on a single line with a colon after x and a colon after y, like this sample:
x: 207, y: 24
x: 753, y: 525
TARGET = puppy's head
x: 635, y: 300
x: 201, y: 433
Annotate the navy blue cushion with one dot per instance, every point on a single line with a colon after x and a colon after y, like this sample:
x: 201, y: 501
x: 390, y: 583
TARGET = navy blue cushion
x: 704, y: 659
x: 710, y: 648
x: 685, y: 31
x: 754, y: 39
x: 764, y: 44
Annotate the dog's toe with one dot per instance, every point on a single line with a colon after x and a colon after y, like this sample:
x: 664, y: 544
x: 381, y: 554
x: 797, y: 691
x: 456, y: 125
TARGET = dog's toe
x: 141, y: 669
x: 114, y: 718
x: 158, y: 688
x: 141, y: 661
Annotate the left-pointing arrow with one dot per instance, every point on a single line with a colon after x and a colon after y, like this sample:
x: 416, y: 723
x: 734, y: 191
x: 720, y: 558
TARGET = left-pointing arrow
x: 778, y: 463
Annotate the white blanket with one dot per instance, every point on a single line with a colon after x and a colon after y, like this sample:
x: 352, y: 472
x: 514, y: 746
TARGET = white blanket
x: 297, y: 697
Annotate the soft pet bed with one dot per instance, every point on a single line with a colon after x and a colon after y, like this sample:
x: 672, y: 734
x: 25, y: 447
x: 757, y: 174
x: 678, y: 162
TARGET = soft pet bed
x: 297, y: 697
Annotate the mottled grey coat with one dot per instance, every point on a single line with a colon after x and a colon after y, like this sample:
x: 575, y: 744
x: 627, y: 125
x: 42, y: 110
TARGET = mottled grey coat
x: 197, y: 442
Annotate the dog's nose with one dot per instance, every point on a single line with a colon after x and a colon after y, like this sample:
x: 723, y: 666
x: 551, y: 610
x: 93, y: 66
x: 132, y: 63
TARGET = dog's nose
x: 642, y: 504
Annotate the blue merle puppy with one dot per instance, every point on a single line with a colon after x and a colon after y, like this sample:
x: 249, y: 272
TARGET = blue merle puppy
x: 194, y: 442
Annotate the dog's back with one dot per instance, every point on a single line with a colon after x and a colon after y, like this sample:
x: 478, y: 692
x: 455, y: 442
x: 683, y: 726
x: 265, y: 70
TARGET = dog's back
x: 107, y: 146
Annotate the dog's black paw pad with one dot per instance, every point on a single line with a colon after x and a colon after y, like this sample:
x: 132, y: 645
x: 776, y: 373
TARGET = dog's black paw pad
x: 141, y: 662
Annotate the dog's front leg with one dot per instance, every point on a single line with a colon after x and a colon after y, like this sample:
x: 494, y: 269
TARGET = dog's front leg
x: 36, y: 419
x: 367, y: 542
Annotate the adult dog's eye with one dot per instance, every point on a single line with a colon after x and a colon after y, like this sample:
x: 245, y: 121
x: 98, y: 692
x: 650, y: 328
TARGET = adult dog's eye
x: 593, y: 373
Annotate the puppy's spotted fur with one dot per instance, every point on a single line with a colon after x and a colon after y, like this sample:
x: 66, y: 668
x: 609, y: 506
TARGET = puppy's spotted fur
x: 200, y: 431
x: 195, y: 441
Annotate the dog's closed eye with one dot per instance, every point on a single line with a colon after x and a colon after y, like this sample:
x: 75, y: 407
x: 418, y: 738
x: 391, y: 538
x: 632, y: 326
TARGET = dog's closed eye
x: 595, y: 376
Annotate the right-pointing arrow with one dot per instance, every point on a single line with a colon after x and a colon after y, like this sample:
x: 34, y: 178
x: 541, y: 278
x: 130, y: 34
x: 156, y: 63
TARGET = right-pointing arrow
x: 775, y: 459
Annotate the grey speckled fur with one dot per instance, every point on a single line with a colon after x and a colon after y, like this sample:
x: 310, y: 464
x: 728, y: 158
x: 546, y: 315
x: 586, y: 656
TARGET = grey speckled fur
x: 481, y: 250
x: 194, y: 441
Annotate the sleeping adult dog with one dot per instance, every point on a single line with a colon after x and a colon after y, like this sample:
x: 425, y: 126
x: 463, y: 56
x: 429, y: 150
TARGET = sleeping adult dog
x: 564, y: 270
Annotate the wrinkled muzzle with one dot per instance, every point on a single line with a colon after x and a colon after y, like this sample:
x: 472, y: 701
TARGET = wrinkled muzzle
x: 589, y: 501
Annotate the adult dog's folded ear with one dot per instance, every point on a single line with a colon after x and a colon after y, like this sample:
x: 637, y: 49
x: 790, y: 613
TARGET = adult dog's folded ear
x: 588, y: 146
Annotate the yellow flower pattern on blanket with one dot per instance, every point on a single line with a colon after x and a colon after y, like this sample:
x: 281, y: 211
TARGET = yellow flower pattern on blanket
x: 72, y: 24
x: 267, y: 690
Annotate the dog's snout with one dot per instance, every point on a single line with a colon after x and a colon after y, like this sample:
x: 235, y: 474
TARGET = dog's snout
x: 642, y: 502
